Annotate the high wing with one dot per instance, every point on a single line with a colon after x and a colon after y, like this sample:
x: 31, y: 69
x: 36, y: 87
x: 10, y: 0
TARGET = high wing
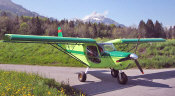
x: 45, y: 39
x: 70, y: 46
x: 142, y: 40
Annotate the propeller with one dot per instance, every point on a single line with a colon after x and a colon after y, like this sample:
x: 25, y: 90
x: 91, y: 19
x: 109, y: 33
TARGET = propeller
x: 138, y: 65
x: 135, y: 57
x: 139, y: 36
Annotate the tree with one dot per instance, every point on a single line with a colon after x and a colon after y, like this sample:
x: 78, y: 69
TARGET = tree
x: 173, y: 33
x: 52, y: 29
x: 36, y: 26
x: 24, y: 28
x: 6, y: 26
x: 159, y: 32
x: 170, y: 32
x: 71, y: 24
x: 114, y: 32
x: 142, y: 29
x: 3, y: 13
x: 16, y: 24
x: 95, y: 29
x: 149, y: 29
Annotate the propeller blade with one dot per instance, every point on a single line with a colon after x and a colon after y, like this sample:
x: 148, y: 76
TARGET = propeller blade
x: 139, y: 36
x: 138, y: 65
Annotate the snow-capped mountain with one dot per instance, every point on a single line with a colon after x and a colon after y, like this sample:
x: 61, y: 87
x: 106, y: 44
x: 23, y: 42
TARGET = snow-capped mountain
x: 99, y: 18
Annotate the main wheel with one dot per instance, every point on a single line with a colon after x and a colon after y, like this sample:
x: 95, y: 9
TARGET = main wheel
x: 114, y: 73
x: 123, y: 79
x: 82, y: 77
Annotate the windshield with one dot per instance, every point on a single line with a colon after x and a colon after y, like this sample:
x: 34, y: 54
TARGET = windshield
x: 107, y: 46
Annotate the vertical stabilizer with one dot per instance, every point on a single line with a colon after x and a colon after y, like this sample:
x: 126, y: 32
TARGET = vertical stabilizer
x: 60, y: 32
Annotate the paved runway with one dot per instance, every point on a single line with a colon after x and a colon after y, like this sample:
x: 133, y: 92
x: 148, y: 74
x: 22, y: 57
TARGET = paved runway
x: 155, y: 82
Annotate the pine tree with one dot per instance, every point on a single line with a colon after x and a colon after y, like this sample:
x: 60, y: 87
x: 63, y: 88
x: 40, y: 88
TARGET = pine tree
x: 71, y: 24
x: 158, y: 30
x: 16, y: 24
x: 36, y: 26
x: 172, y: 32
x: 142, y: 29
x: 149, y: 29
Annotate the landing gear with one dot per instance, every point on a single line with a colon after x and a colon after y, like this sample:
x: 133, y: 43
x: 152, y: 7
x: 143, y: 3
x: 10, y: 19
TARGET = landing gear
x: 82, y: 75
x: 114, y: 73
x: 122, y: 78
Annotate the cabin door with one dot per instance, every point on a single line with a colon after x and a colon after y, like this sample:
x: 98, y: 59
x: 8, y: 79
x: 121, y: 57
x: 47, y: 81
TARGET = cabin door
x: 93, y: 54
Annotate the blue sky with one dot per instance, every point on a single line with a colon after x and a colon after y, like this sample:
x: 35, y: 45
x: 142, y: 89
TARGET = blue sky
x: 127, y: 12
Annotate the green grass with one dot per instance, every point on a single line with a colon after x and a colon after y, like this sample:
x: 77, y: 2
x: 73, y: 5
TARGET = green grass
x: 34, y: 54
x: 151, y: 55
x: 154, y: 55
x: 23, y: 84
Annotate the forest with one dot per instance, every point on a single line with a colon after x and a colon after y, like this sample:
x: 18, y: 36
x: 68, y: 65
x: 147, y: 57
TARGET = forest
x: 44, y: 26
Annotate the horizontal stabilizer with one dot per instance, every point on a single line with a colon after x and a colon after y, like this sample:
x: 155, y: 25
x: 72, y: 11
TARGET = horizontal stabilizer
x: 144, y: 40
x: 45, y: 39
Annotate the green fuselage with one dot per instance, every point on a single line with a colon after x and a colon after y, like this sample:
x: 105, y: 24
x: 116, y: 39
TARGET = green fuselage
x: 105, y: 56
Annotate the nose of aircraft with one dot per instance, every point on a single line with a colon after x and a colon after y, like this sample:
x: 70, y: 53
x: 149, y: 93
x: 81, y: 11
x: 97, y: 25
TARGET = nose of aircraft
x: 133, y: 56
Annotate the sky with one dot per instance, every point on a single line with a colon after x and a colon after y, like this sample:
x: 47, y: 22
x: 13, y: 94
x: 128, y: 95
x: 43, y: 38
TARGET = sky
x: 127, y: 12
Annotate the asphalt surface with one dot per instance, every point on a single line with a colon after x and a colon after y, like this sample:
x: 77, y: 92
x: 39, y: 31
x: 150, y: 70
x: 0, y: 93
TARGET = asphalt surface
x: 157, y: 82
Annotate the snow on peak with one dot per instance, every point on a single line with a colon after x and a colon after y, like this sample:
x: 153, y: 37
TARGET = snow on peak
x: 95, y: 17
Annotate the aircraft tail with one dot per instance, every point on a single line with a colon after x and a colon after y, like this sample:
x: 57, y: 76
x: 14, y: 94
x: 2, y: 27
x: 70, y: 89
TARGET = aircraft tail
x: 60, y: 32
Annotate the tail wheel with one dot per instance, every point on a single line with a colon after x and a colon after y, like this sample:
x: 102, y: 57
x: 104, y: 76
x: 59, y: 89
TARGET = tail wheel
x: 114, y: 73
x: 82, y: 77
x: 122, y: 79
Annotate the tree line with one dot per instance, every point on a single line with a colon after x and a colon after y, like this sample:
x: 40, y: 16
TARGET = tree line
x: 44, y: 26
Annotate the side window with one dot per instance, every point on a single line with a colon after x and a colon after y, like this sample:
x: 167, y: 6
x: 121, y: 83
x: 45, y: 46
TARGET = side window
x: 92, y: 54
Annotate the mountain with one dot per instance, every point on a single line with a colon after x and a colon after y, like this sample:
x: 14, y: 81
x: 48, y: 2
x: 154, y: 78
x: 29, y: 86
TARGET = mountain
x: 99, y: 18
x: 9, y: 6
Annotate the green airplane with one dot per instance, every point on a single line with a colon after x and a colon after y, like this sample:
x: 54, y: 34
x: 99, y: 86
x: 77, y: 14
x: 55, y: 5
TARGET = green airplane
x: 89, y: 52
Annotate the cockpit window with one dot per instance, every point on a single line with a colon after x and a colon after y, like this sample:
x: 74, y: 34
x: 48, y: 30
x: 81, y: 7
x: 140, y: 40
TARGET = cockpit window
x: 107, y: 46
x: 92, y: 51
x: 92, y: 54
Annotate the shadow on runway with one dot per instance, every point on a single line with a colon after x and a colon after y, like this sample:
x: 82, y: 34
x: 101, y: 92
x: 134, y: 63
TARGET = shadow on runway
x: 108, y: 84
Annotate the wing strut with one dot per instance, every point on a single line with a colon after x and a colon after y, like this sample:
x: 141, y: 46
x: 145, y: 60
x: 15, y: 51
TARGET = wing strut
x: 68, y: 53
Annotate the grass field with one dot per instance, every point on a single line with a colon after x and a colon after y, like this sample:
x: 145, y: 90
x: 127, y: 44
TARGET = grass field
x: 23, y: 84
x: 32, y: 54
x: 151, y: 55
x: 156, y: 55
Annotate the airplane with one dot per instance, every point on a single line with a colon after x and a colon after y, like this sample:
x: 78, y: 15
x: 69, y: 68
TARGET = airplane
x: 89, y: 52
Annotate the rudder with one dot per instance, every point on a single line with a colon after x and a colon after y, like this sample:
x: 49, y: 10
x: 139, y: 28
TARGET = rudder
x: 60, y: 32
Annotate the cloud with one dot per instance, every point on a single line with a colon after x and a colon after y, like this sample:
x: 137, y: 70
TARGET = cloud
x: 105, y: 13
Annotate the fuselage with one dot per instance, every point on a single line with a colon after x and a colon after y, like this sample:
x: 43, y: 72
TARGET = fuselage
x: 99, y: 55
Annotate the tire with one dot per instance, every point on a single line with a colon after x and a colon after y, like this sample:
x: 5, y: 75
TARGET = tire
x: 82, y: 77
x: 114, y: 73
x: 124, y: 78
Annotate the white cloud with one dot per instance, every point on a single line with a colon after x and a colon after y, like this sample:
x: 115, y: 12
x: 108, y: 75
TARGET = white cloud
x: 105, y: 13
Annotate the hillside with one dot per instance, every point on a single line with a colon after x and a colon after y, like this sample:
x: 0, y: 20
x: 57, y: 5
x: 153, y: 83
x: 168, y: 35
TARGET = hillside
x: 155, y: 55
x: 32, y: 53
x: 9, y: 6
